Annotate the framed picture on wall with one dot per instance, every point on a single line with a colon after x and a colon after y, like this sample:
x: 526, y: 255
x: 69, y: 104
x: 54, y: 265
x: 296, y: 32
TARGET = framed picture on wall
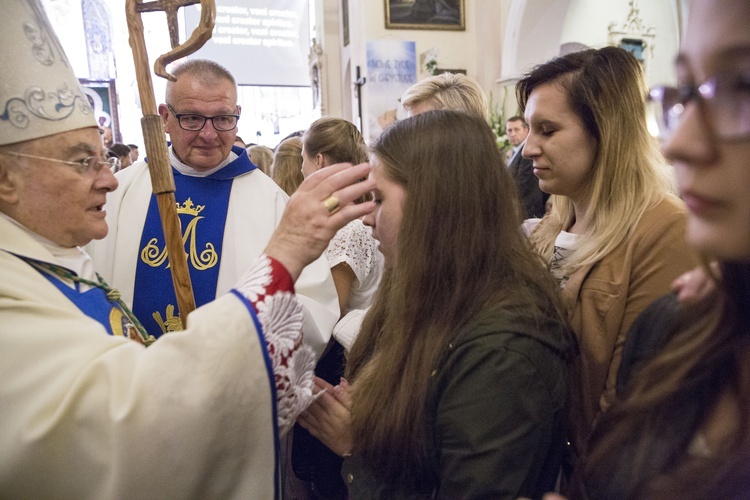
x: 440, y: 71
x: 635, y: 46
x: 425, y: 14
x: 102, y: 96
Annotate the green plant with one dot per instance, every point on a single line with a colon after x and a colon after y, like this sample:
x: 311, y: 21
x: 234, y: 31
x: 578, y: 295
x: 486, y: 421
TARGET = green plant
x: 497, y: 124
x: 430, y: 61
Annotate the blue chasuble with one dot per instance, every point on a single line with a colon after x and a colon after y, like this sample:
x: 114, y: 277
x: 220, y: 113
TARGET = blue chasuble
x: 202, y: 204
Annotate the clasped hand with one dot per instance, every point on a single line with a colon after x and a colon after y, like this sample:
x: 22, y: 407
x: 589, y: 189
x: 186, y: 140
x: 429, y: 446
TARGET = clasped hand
x: 328, y: 418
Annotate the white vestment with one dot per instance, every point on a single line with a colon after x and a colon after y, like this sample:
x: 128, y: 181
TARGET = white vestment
x: 84, y: 414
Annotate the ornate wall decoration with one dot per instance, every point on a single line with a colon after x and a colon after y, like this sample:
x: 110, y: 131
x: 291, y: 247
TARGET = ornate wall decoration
x: 317, y: 79
x: 635, y: 37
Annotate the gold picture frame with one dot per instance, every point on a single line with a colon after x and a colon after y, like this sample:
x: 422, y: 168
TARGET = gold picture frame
x: 425, y: 15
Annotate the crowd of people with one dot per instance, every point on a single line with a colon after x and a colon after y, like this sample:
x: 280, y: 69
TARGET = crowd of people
x: 432, y: 319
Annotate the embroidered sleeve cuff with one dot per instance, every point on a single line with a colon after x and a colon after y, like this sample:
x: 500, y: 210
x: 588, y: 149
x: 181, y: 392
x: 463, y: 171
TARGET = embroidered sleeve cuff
x: 266, y: 277
x: 268, y: 286
x: 281, y: 280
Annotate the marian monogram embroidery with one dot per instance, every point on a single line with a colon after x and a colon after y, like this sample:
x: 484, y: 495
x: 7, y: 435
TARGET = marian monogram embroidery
x: 203, y: 207
x: 172, y: 323
x: 155, y: 255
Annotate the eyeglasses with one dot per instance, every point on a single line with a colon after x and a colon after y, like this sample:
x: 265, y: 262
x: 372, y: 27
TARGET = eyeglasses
x: 90, y: 165
x: 727, y: 104
x: 194, y: 123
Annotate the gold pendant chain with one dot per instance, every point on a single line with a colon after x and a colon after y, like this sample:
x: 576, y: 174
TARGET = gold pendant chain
x: 113, y: 295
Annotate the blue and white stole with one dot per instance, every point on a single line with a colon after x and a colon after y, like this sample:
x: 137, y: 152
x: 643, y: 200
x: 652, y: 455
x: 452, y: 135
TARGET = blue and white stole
x: 94, y: 304
x: 101, y: 302
x: 202, y: 204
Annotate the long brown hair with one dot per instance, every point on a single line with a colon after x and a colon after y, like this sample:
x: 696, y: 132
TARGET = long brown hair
x: 460, y: 252
x: 641, y: 446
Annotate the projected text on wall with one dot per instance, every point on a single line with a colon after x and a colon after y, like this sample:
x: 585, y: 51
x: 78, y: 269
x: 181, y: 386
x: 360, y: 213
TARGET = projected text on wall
x: 252, y: 26
x: 262, y: 42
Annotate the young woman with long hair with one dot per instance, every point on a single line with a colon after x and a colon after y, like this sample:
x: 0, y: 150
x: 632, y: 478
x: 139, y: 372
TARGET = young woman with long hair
x: 614, y: 238
x: 682, y: 428
x: 457, y: 383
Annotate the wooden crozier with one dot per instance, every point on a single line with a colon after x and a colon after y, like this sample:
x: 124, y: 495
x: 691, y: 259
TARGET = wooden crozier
x: 159, y: 166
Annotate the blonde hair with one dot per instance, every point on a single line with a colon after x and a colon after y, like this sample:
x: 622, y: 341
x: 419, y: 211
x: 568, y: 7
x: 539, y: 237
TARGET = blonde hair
x: 606, y: 89
x: 448, y: 91
x: 286, y: 169
x: 262, y: 157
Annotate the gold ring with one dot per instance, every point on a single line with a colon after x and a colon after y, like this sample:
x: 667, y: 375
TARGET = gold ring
x: 331, y: 203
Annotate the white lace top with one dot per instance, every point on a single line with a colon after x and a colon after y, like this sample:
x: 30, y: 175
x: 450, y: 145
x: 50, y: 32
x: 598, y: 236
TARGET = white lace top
x: 355, y: 246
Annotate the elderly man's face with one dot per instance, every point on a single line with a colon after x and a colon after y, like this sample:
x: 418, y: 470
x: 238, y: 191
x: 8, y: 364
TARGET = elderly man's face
x: 56, y: 200
x: 202, y: 149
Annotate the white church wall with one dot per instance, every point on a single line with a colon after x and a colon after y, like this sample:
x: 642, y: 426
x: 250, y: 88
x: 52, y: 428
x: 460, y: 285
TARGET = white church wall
x: 587, y: 22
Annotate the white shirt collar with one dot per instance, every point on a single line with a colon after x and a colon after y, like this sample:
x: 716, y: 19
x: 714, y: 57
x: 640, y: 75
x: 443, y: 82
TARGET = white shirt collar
x: 190, y: 171
x: 518, y: 148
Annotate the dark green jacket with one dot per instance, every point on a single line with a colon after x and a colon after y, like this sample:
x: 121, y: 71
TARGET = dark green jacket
x: 499, y: 400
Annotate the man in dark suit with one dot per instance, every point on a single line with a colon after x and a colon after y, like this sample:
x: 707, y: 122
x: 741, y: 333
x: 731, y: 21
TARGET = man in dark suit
x: 533, y: 199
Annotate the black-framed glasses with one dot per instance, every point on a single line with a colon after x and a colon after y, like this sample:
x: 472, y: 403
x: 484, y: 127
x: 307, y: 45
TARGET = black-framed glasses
x: 90, y: 165
x: 194, y: 123
x: 727, y: 104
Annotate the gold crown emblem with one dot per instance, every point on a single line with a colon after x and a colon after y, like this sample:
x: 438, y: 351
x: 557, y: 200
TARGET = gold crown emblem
x: 189, y: 208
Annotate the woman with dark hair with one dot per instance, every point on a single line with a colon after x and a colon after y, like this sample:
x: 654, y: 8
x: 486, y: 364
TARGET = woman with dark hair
x: 122, y: 153
x: 457, y: 383
x: 682, y: 428
x: 614, y: 238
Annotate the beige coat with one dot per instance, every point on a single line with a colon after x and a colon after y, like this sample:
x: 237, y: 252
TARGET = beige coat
x: 604, y: 299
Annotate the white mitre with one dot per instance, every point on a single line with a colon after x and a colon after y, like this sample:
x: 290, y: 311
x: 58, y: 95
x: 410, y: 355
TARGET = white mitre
x: 39, y: 94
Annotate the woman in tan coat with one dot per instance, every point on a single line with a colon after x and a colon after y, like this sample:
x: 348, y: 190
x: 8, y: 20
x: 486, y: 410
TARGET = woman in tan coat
x: 615, y: 235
